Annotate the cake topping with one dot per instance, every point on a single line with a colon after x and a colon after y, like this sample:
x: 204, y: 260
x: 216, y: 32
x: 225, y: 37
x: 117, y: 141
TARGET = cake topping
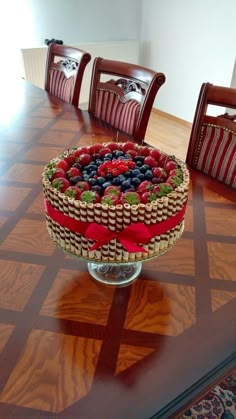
x: 125, y: 171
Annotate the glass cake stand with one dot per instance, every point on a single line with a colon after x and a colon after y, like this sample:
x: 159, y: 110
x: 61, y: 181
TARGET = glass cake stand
x: 118, y: 274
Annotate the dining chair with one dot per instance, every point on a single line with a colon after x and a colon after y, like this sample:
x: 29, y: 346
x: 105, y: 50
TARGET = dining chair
x: 65, y: 67
x: 212, y: 145
x: 122, y: 95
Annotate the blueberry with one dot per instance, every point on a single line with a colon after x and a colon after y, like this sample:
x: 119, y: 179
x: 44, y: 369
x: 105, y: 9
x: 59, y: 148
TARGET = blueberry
x: 148, y: 175
x: 101, y: 180
x: 139, y: 158
x: 97, y: 188
x: 109, y: 176
x: 125, y: 185
x: 92, y: 174
x: 135, y: 181
x: 98, y: 162
x: 79, y: 166
x: 75, y: 179
x: 144, y: 168
x: 139, y: 163
x: 135, y: 172
x: 92, y: 181
x: 141, y: 176
x: 118, y: 153
x: 106, y: 184
x: 108, y: 156
x: 127, y: 156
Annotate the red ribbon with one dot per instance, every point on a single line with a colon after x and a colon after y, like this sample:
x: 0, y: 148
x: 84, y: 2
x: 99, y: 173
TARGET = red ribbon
x: 129, y: 236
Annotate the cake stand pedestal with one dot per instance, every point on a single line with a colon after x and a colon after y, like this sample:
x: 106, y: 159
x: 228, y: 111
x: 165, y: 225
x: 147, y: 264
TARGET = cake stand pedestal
x: 119, y: 274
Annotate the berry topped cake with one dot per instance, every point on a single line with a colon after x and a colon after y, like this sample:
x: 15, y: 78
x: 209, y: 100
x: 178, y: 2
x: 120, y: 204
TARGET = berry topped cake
x: 115, y: 202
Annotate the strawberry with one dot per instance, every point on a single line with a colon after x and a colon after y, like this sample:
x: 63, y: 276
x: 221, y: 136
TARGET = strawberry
x: 174, y: 181
x: 131, y: 198
x: 62, y: 164
x: 129, y: 145
x: 73, y: 171
x: 148, y: 197
x: 90, y: 197
x: 83, y: 186
x: 105, y: 150
x: 132, y: 153
x: 94, y: 149
x: 61, y: 184
x: 170, y: 165
x: 70, y: 159
x: 112, y: 190
x: 155, y: 154
x: 110, y: 200
x: 84, y: 159
x: 114, y: 146
x: 144, y: 151
x: 73, y: 192
x: 145, y: 186
x: 54, y: 173
x: 165, y: 189
x: 79, y: 151
x: 159, y: 173
x: 150, y: 161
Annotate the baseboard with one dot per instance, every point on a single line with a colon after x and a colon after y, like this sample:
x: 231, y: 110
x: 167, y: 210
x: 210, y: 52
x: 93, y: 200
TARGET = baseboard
x: 172, y: 117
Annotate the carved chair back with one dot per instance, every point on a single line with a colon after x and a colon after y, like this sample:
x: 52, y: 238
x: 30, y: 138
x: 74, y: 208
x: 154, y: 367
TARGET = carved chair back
x: 212, y: 145
x: 122, y: 95
x: 64, y: 71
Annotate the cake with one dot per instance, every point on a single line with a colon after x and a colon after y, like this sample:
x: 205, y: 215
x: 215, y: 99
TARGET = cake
x: 115, y: 202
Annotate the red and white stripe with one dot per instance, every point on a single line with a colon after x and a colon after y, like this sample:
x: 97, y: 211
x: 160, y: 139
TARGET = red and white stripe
x: 60, y: 85
x: 216, y: 154
x: 110, y: 109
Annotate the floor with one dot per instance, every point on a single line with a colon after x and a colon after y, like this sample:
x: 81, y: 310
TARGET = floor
x: 168, y: 133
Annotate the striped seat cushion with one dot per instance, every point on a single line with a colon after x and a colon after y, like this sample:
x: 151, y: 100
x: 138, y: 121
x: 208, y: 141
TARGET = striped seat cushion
x: 215, y: 153
x: 60, y: 85
x: 121, y: 115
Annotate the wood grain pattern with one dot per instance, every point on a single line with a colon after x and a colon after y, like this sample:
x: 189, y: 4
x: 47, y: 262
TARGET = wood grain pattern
x: 71, y: 347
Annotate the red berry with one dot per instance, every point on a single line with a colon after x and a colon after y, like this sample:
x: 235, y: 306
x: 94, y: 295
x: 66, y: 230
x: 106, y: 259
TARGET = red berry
x: 170, y: 165
x: 61, y: 184
x: 84, y: 186
x: 112, y: 190
x: 150, y: 161
x: 145, y: 186
x: 73, y: 192
x: 84, y: 159
x: 63, y: 165
x: 129, y: 145
x: 131, y: 198
x: 148, y: 197
x: 110, y: 200
x: 155, y: 154
x: 73, y: 171
x: 90, y: 197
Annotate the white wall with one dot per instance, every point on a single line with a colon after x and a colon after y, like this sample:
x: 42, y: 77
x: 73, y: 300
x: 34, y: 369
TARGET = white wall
x: 78, y: 21
x: 191, y: 42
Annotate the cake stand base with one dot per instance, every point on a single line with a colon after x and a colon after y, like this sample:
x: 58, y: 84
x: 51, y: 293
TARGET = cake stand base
x: 118, y: 274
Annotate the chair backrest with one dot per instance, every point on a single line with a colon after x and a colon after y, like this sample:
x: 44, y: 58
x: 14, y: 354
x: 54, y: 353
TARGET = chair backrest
x: 212, y: 145
x: 64, y: 71
x: 122, y: 95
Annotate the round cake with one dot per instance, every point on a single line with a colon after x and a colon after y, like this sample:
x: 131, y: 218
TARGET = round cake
x: 115, y: 202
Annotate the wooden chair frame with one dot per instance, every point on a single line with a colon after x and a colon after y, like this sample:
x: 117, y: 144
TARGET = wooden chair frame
x: 142, y: 76
x: 73, y: 63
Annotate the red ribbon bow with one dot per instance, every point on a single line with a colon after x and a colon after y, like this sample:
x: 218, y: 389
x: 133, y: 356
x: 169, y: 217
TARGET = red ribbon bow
x: 134, y: 233
x: 129, y: 236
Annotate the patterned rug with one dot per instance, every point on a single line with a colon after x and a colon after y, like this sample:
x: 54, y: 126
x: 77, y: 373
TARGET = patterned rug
x: 217, y: 402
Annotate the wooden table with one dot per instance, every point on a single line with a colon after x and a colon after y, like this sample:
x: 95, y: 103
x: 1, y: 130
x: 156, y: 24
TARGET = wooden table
x: 74, y: 348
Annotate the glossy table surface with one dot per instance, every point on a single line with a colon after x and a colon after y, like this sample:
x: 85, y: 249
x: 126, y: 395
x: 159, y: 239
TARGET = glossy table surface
x: 74, y: 348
